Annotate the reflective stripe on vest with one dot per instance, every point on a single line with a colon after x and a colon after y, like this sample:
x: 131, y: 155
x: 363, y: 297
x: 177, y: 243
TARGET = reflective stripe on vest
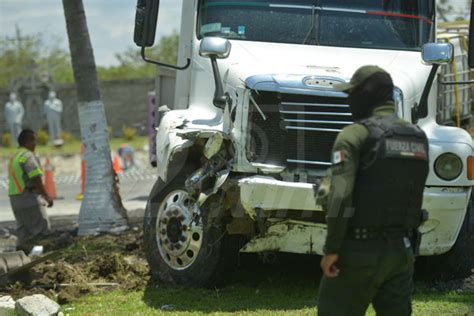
x: 15, y: 172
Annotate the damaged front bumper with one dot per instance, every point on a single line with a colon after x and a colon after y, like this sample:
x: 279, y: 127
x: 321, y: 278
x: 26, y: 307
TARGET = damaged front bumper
x: 260, y: 194
x: 446, y: 208
x: 267, y: 193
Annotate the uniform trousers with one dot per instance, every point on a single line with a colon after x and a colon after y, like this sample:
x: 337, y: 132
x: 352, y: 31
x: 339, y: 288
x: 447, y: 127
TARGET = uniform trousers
x: 375, y: 271
x: 30, y: 215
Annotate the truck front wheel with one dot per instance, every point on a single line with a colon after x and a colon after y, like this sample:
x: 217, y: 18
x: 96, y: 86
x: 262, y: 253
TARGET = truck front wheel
x: 182, y: 244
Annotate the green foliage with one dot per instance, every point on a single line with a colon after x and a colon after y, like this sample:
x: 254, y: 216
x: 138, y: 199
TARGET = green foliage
x: 7, y: 140
x: 132, y: 66
x: 42, y: 137
x: 20, y: 53
x: 129, y: 133
x: 66, y: 137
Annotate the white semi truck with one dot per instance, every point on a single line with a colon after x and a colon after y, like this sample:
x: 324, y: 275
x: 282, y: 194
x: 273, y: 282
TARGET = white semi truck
x: 243, y: 152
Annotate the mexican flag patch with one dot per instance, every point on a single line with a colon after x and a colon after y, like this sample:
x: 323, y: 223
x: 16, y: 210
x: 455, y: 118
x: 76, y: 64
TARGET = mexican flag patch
x: 338, y: 157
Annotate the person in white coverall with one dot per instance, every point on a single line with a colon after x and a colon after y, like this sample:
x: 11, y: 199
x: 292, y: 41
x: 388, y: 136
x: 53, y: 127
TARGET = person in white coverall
x: 53, y: 107
x: 14, y: 113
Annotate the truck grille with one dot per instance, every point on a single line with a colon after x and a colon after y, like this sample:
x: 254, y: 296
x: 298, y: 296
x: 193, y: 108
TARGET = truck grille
x: 295, y: 130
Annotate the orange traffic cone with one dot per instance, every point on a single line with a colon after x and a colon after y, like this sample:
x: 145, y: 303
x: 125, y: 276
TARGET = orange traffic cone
x: 116, y: 164
x: 49, y: 185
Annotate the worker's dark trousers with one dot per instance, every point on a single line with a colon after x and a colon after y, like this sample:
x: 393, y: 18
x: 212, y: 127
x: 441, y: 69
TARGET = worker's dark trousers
x: 378, y: 272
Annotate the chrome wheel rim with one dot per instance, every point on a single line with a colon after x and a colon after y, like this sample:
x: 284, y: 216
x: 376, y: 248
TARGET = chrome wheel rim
x: 179, y: 230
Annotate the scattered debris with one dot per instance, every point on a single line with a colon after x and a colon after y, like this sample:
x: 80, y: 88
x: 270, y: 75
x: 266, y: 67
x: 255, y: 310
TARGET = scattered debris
x: 36, y: 251
x: 7, y: 304
x: 86, y: 264
x: 459, y: 286
x: 18, y: 266
x: 12, y: 260
x: 167, y: 307
x: 37, y: 304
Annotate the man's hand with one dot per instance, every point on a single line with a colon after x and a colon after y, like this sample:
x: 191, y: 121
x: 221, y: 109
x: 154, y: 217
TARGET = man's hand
x: 41, y: 190
x: 328, y: 265
x: 49, y: 200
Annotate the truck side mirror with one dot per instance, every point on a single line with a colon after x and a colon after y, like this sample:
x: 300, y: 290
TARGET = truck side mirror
x: 434, y: 54
x: 471, y: 38
x: 216, y: 48
x: 146, y: 17
x: 437, y: 53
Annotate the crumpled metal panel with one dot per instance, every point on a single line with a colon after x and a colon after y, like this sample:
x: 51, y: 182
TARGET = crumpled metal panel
x: 290, y: 236
x: 266, y: 193
x: 178, y: 130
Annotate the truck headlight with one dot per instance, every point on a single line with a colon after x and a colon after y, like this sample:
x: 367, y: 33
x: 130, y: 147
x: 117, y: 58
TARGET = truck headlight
x: 448, y: 166
x: 398, y: 99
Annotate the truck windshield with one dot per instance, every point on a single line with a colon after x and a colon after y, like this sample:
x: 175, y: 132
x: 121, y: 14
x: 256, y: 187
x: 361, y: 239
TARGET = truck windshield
x: 382, y: 24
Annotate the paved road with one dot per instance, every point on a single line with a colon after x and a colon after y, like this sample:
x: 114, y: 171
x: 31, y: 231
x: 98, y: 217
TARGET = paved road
x: 135, y: 186
x: 132, y: 175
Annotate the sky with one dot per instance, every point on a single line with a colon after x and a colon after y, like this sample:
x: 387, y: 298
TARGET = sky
x: 110, y: 22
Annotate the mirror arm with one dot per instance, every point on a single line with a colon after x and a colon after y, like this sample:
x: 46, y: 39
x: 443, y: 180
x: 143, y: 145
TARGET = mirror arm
x: 164, y: 64
x: 220, y: 99
x: 422, y: 109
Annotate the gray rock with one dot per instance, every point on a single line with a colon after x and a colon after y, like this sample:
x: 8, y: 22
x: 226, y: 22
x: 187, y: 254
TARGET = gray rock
x: 7, y: 304
x: 37, y: 305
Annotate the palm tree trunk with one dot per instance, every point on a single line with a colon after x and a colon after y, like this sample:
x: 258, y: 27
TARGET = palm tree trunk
x: 101, y: 209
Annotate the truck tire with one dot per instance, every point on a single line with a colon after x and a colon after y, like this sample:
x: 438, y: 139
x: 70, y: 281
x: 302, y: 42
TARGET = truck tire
x: 458, y: 262
x: 181, y: 244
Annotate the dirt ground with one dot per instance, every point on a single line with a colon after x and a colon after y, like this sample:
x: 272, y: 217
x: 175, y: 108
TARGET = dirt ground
x: 85, y: 265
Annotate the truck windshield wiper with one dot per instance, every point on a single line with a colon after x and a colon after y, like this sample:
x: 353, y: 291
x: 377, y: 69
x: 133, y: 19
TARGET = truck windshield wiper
x: 312, y: 35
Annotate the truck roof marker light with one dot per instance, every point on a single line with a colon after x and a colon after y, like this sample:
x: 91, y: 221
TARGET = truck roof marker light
x: 470, y: 167
x: 401, y: 15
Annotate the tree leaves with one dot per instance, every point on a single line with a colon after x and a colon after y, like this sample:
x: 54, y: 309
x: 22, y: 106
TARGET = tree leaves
x: 19, y: 53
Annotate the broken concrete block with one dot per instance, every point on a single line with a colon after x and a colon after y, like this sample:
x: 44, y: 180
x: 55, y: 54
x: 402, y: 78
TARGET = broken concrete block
x: 13, y: 260
x: 7, y: 304
x: 36, y: 305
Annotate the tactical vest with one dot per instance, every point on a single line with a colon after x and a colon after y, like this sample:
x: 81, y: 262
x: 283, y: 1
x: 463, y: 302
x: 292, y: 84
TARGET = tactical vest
x: 391, y: 177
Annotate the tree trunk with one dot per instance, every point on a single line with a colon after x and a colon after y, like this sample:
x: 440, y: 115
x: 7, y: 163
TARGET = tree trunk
x: 101, y: 209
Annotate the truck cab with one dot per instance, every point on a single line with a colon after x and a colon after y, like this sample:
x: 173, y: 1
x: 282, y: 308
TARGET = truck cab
x: 248, y: 143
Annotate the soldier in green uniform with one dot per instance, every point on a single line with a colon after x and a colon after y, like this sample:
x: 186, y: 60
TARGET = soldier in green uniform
x: 27, y: 193
x: 373, y: 204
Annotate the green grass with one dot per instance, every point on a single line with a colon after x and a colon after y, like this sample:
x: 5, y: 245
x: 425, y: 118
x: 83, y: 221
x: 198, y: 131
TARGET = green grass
x: 276, y: 299
x: 263, y: 290
x: 73, y: 147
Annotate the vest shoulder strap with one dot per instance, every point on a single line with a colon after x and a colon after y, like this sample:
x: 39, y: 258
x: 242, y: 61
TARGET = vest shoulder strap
x: 378, y: 127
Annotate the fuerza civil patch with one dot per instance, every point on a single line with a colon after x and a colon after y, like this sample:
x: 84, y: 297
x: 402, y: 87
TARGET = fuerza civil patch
x: 398, y: 148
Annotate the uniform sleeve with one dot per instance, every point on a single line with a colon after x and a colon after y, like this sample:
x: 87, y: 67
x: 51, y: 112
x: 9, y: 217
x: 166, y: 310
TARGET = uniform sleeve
x: 30, y: 165
x: 342, y: 175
